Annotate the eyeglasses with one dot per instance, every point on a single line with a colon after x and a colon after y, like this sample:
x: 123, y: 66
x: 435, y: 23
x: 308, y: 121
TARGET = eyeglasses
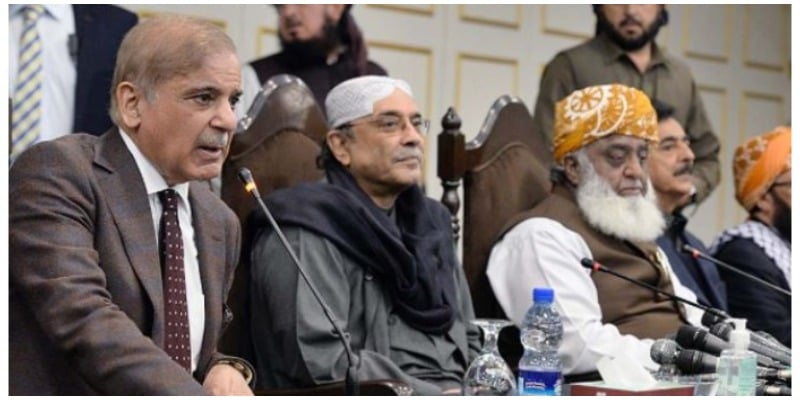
x: 394, y: 123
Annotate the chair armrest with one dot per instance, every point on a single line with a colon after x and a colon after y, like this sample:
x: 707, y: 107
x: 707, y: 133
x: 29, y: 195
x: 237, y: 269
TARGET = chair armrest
x: 382, y: 387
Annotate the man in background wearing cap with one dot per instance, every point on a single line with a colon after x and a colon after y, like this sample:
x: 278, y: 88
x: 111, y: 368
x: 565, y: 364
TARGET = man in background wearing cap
x: 380, y: 253
x: 669, y: 166
x: 624, y: 51
x: 761, y: 246
x: 601, y: 207
x: 320, y: 44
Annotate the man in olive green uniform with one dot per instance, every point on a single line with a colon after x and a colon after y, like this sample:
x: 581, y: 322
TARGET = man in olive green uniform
x: 624, y: 51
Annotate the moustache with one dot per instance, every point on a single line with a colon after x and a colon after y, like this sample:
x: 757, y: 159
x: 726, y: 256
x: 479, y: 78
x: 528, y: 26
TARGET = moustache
x: 630, y: 21
x: 408, y: 153
x: 214, y: 141
x: 687, y: 170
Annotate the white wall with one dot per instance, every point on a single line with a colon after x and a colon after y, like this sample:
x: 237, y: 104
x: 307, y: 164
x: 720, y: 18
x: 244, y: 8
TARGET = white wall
x: 468, y: 55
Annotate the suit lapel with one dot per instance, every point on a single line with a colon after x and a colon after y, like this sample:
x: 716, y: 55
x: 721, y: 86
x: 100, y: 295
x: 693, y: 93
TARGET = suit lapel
x: 126, y: 197
x: 209, y: 238
x: 710, y: 274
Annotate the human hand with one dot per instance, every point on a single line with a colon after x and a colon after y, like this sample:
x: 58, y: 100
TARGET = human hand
x: 224, y: 380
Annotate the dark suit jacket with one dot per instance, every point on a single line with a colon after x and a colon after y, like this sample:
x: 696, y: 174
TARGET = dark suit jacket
x: 710, y: 289
x: 765, y: 309
x: 99, y: 29
x: 86, y: 303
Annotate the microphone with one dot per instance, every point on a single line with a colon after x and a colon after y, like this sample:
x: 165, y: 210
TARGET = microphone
x: 692, y: 337
x: 691, y: 362
x: 596, y: 266
x: 351, y: 384
x: 723, y: 330
x: 696, y: 254
x: 710, y: 319
x: 773, y: 390
x: 664, y: 351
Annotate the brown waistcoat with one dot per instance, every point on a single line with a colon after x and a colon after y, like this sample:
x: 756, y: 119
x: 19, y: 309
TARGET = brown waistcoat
x: 633, y: 309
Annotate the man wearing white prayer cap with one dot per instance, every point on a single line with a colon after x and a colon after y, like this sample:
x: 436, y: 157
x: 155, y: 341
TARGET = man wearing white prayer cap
x: 380, y: 253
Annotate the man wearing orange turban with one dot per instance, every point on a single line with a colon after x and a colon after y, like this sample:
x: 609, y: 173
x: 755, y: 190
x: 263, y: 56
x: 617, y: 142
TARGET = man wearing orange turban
x: 761, y: 246
x: 602, y: 207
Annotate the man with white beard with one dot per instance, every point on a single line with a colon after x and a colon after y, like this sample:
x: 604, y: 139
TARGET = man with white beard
x: 602, y: 206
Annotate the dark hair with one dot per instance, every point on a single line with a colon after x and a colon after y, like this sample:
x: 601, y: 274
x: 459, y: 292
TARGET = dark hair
x: 663, y: 17
x: 663, y: 110
x: 325, y: 157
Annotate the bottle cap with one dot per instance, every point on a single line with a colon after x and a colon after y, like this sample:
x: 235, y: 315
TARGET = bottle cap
x: 543, y: 295
x: 740, y: 337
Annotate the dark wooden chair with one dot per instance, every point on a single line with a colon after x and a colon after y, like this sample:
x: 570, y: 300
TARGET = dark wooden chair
x: 503, y: 171
x: 278, y: 140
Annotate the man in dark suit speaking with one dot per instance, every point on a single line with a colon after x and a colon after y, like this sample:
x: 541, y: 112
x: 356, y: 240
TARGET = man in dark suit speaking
x: 120, y: 265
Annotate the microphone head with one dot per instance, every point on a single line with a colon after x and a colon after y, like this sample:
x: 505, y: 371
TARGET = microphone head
x: 664, y: 351
x: 692, y: 337
x: 722, y: 329
x: 688, y: 336
x: 693, y: 362
x: 591, y: 264
x: 713, y: 316
x: 247, y: 179
x: 245, y: 175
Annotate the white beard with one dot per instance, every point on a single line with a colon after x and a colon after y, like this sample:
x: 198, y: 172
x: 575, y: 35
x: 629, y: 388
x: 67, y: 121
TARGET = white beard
x: 628, y: 218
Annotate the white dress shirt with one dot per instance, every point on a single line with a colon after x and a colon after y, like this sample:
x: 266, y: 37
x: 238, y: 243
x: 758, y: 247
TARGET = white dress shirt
x: 154, y: 183
x: 60, y: 72
x: 541, y: 252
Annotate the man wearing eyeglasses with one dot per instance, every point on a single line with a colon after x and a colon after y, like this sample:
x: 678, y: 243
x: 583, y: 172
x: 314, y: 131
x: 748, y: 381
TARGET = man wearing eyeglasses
x: 380, y: 253
x: 761, y: 246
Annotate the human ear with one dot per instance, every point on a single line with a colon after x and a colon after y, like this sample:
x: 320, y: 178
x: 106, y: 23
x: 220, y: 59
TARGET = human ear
x: 572, y: 170
x: 337, y: 143
x: 128, y: 102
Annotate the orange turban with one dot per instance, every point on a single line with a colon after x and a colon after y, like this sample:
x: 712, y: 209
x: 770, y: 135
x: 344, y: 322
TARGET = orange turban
x: 589, y: 114
x: 758, y: 161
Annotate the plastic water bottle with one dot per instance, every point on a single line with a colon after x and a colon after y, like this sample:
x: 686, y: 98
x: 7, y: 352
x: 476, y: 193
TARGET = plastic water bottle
x: 540, y: 334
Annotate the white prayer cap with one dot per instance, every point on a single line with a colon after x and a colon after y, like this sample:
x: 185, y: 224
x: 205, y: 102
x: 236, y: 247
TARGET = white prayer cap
x: 355, y: 98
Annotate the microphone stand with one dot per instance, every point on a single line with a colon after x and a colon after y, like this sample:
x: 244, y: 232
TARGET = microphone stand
x: 596, y: 266
x: 697, y: 254
x: 351, y: 382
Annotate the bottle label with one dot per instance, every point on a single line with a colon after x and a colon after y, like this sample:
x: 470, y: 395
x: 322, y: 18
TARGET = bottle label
x: 747, y: 377
x: 539, y: 383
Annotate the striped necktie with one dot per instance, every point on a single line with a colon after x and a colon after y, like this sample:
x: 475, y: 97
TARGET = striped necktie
x: 26, y: 110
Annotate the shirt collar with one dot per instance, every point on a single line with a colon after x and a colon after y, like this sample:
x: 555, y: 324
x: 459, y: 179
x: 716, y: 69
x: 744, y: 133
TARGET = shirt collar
x: 56, y: 11
x: 676, y: 224
x: 153, y: 181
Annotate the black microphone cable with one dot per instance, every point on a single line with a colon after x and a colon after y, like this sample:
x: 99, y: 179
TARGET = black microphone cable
x: 698, y: 254
x: 596, y: 266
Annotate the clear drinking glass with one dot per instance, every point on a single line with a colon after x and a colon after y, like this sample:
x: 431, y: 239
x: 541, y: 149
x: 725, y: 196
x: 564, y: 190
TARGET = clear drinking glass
x: 488, y: 374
